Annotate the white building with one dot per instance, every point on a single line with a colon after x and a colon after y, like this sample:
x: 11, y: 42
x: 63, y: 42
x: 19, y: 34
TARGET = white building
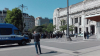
x: 77, y: 16
x: 40, y: 21
x: 3, y: 15
x: 29, y: 21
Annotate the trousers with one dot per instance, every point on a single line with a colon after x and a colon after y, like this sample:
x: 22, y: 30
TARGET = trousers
x: 37, y: 46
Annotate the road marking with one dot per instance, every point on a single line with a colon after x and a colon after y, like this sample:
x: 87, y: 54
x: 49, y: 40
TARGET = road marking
x: 58, y: 49
x: 63, y: 55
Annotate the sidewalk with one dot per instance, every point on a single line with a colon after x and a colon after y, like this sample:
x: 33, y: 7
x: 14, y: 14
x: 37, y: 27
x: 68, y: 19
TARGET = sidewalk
x: 81, y: 38
x: 91, y: 46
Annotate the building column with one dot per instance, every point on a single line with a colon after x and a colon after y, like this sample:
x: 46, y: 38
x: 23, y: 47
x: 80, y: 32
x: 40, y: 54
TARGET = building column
x: 83, y: 23
x: 56, y: 23
x: 73, y: 23
x: 70, y: 21
x: 78, y: 25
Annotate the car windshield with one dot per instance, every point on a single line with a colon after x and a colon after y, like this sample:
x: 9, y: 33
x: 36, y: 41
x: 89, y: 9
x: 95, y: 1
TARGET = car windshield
x: 17, y: 32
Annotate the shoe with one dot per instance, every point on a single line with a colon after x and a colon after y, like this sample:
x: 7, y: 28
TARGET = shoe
x: 40, y: 53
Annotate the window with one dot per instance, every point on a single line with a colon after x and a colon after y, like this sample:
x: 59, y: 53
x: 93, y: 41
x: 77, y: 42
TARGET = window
x: 5, y: 31
x: 87, y: 21
x: 79, y: 30
x: 61, y: 22
x: 76, y: 20
x: 17, y: 32
x: 80, y: 21
x: 72, y: 21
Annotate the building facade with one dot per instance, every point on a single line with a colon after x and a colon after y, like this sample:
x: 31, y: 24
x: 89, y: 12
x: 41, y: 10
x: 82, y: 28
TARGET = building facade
x: 3, y: 14
x: 28, y: 20
x: 40, y: 21
x: 77, y: 16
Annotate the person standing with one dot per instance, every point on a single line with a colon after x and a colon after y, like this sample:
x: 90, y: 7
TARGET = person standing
x: 76, y: 35
x: 84, y: 34
x: 87, y: 34
x: 37, y: 42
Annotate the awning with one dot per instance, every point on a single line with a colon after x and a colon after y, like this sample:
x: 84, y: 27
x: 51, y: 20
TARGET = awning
x: 94, y: 18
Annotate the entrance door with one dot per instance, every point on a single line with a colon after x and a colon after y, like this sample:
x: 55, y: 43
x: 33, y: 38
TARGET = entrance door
x: 92, y: 29
x: 76, y: 31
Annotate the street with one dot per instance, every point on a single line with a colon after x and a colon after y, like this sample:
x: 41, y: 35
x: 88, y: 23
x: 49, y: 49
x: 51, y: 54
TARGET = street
x: 55, y: 47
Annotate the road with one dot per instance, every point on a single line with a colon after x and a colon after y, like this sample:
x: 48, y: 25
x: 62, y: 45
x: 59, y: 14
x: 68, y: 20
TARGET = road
x: 54, y: 47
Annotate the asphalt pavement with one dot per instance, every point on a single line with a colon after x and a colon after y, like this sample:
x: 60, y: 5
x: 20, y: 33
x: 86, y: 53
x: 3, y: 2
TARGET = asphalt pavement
x: 55, y: 47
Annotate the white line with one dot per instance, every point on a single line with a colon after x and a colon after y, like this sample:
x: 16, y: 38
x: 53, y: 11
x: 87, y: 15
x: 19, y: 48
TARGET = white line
x: 58, y: 49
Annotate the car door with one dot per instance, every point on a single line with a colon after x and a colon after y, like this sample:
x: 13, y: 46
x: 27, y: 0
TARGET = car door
x: 5, y: 33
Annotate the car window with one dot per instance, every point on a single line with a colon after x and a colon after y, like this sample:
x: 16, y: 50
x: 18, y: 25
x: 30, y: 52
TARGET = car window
x: 5, y: 31
x: 17, y: 32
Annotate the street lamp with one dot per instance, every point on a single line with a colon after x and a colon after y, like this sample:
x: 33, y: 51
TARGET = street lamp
x: 68, y: 37
x: 22, y: 6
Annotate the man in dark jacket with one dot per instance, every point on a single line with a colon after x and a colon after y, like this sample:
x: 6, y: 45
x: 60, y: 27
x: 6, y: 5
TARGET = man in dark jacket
x: 37, y: 41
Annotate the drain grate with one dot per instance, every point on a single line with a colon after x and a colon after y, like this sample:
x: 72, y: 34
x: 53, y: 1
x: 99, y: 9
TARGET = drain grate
x: 76, y: 52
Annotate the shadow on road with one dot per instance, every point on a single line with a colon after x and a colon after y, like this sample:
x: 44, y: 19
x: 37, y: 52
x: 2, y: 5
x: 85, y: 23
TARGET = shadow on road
x: 11, y: 45
x: 50, y: 52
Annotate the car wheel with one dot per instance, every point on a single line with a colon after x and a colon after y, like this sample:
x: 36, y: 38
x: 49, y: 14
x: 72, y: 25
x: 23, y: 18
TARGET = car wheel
x: 22, y: 42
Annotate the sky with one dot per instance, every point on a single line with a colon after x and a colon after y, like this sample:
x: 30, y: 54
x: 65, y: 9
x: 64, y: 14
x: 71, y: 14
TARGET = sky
x: 36, y: 8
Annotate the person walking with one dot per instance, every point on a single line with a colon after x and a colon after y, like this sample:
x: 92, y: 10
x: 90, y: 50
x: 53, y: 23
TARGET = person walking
x: 37, y: 42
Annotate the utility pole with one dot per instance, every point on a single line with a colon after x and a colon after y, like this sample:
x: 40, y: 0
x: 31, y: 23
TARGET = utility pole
x: 22, y: 6
x: 68, y: 37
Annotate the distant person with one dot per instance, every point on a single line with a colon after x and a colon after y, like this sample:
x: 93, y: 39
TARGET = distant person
x: 37, y: 42
x: 84, y: 35
x: 56, y: 35
x: 87, y: 34
x: 76, y: 35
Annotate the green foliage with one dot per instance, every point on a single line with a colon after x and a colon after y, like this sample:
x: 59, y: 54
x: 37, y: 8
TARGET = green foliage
x: 38, y: 28
x: 15, y: 17
x: 44, y: 28
x: 30, y: 30
x: 71, y: 27
x: 64, y: 27
x: 50, y: 28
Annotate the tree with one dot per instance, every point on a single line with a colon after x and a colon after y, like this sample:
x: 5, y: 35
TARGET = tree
x: 30, y: 30
x: 38, y: 29
x: 71, y: 27
x: 15, y: 17
x: 64, y: 27
x: 50, y: 28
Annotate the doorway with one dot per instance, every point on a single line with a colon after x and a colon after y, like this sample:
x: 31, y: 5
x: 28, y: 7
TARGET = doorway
x: 92, y: 29
x: 76, y: 30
